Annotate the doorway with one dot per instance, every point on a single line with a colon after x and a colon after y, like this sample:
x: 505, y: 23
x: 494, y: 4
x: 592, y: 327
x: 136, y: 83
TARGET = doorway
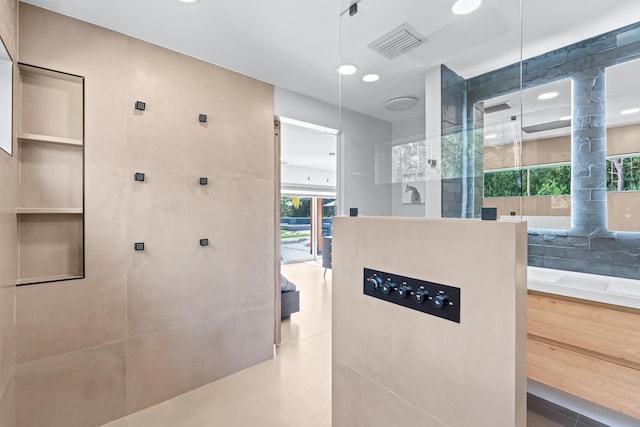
x: 308, y: 165
x: 304, y: 222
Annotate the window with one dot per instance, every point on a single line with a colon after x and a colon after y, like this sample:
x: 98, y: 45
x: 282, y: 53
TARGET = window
x: 623, y: 173
x: 547, y: 180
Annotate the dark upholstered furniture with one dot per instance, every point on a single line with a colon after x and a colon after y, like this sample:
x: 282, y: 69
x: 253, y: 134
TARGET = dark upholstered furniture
x: 289, y: 298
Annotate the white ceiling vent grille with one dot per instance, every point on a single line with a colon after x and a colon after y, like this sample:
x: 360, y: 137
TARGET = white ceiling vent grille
x: 558, y: 124
x: 497, y: 107
x: 399, y: 40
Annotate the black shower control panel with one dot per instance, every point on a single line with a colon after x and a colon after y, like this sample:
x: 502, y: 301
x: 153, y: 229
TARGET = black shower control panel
x: 429, y: 297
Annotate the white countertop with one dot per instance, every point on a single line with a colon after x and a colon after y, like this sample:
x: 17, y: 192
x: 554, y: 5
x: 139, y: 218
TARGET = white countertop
x: 592, y: 287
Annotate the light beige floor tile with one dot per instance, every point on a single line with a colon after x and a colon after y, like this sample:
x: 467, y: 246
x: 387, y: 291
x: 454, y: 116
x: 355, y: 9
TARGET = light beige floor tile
x: 307, y: 323
x: 309, y: 360
x: 286, y: 401
x: 323, y: 419
x: 122, y: 422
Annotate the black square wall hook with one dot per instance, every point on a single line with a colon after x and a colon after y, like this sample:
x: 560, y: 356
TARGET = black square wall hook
x: 202, y: 118
x: 140, y: 105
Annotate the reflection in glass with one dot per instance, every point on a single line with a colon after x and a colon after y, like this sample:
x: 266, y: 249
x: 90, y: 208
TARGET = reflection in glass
x: 623, y: 149
x: 6, y: 89
x: 528, y: 174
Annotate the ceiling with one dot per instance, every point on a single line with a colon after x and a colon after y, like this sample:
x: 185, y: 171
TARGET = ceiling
x: 298, y: 44
x: 308, y: 148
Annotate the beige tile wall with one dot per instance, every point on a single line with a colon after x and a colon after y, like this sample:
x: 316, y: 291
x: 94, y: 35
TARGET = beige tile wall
x: 401, y: 367
x: 81, y: 388
x: 534, y: 205
x: 177, y: 315
x: 9, y: 233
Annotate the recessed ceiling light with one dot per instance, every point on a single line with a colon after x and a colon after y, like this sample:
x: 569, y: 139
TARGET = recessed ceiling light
x: 547, y: 95
x: 401, y: 103
x: 565, y: 118
x: 630, y: 111
x: 491, y: 136
x: 462, y: 7
x: 189, y: 1
x: 371, y: 78
x: 347, y: 69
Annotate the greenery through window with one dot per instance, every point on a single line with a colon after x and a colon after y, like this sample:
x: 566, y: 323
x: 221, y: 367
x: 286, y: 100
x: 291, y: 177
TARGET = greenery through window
x: 547, y: 180
x: 623, y: 173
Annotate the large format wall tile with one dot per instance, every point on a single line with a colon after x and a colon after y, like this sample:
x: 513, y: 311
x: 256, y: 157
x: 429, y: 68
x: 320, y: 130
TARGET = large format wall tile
x: 189, y: 314
x: 164, y: 364
x: 7, y: 404
x: 442, y: 367
x: 238, y: 138
x: 9, y: 233
x: 9, y: 27
x: 175, y: 280
x: 360, y: 402
x: 7, y: 343
x: 61, y: 317
x: 79, y: 389
x: 106, y: 248
x: 8, y: 261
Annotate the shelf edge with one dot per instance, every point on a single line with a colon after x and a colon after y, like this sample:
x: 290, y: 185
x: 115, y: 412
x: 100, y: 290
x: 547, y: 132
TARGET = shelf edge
x: 31, y: 137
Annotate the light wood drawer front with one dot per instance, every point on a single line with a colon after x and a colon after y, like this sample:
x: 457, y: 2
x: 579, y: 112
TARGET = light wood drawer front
x: 608, y: 384
x: 610, y: 330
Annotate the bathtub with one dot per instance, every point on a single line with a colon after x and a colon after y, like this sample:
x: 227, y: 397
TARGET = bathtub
x: 592, y: 287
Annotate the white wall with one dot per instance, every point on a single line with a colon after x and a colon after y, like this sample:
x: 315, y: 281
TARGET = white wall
x: 356, y: 175
x: 300, y: 177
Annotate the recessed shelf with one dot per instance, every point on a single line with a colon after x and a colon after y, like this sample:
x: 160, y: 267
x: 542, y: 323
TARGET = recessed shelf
x: 50, y: 214
x: 21, y: 211
x: 45, y: 279
x: 31, y: 137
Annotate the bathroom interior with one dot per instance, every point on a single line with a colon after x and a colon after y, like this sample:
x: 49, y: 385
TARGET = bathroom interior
x: 491, y: 153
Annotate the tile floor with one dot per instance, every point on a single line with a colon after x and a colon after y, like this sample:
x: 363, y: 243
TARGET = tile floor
x: 293, y: 389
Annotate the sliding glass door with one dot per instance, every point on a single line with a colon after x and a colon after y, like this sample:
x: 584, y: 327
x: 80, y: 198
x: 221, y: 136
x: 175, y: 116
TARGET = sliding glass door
x: 304, y: 220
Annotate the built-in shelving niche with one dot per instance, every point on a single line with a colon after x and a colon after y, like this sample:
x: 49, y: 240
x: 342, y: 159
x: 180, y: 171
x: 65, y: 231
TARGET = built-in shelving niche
x: 51, y: 205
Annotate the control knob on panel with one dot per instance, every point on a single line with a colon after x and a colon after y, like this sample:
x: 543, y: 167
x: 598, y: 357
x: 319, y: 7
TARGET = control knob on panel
x: 375, y: 281
x: 421, y: 295
x: 389, y: 286
x: 404, y: 290
x: 441, y: 300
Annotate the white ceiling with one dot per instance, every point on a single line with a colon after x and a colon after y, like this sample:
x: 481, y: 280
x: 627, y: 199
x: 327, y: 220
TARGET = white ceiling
x: 297, y: 44
x: 308, y: 148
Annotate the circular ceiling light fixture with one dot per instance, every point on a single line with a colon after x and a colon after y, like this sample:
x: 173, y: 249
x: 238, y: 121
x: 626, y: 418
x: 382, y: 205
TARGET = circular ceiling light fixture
x: 189, y: 1
x: 565, y: 118
x: 347, y: 69
x: 547, y: 95
x: 401, y: 103
x: 491, y: 136
x: 462, y: 7
x: 630, y: 111
x: 369, y: 78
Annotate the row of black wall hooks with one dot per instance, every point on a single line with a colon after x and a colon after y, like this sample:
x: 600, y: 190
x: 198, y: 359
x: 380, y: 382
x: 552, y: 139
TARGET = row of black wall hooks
x: 139, y: 246
x: 139, y: 176
x: 141, y: 106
